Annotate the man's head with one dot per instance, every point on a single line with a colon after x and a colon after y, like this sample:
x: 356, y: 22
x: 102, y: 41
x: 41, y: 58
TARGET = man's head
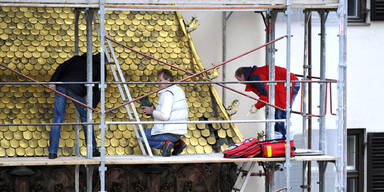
x: 164, y: 75
x: 239, y: 74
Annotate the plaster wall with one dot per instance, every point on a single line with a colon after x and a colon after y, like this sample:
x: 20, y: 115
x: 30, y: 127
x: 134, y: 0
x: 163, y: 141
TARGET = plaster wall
x: 245, y: 30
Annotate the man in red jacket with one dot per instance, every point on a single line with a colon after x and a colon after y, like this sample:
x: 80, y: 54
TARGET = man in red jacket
x: 261, y: 89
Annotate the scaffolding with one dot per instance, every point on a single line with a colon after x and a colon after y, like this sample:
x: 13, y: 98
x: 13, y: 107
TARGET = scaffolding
x: 270, y: 9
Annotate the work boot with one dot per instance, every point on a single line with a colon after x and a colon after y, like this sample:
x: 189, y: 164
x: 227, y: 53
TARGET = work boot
x: 179, y: 147
x: 52, y: 156
x: 96, y: 153
x: 167, y: 148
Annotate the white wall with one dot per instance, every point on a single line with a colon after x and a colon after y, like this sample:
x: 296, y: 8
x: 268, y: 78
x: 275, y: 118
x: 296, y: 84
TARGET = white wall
x: 365, y: 76
x: 365, y: 67
x: 243, y: 34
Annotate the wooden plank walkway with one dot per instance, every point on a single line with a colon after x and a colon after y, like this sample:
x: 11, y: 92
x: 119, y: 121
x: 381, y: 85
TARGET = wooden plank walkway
x: 141, y: 159
x: 175, y: 4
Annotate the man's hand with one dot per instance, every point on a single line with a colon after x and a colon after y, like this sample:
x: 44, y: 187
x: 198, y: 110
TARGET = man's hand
x: 253, y: 109
x: 52, y: 86
x: 147, y: 110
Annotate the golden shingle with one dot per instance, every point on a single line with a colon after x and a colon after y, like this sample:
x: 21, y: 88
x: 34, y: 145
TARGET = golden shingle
x: 69, y: 143
x: 2, y: 152
x: 20, y: 151
x: 199, y: 149
x: 46, y: 39
x: 10, y: 152
x: 14, y: 144
x: 5, y: 143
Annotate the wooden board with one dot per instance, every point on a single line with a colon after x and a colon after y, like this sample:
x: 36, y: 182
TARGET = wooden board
x: 140, y: 159
x: 176, y: 4
x: 34, y: 161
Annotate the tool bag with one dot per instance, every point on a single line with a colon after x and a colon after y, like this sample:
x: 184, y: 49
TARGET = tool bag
x: 276, y: 148
x: 248, y: 148
x: 251, y: 147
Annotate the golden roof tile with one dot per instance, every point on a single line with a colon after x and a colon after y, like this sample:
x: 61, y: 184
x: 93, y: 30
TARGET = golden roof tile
x: 36, y: 40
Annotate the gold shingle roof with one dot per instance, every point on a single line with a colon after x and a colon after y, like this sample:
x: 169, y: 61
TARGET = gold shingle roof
x: 35, y: 41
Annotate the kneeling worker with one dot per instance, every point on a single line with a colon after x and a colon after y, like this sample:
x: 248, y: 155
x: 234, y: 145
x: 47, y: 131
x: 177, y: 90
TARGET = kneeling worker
x: 172, y: 106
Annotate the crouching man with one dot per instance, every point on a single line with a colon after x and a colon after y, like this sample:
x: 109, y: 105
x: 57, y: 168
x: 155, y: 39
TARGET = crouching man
x: 172, y: 106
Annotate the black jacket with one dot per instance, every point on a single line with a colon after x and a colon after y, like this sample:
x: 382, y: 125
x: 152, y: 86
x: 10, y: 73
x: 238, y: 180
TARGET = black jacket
x: 75, y: 70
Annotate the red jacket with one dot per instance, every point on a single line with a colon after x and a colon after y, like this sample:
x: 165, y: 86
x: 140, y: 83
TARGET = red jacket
x: 262, y: 90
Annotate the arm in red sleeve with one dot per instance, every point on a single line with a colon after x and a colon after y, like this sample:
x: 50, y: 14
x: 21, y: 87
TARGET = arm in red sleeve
x: 259, y: 104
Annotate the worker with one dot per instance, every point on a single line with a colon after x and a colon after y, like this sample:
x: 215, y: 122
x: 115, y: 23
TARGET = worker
x: 261, y: 89
x: 73, y: 70
x: 172, y: 106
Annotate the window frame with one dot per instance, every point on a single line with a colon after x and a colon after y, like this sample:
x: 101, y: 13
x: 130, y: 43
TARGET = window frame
x: 362, y: 13
x: 360, y: 144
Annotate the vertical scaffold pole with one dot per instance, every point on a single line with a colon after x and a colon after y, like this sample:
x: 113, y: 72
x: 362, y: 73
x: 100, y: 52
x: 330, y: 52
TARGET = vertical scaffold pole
x: 224, y: 54
x: 77, y: 150
x: 323, y: 17
x: 341, y: 152
x: 270, y: 61
x: 103, y: 87
x: 306, y: 68
x: 226, y: 16
x: 288, y: 106
x: 89, y: 18
x: 322, y: 145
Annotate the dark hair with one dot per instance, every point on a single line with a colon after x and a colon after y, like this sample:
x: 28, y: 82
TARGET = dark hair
x: 167, y: 74
x: 240, y: 71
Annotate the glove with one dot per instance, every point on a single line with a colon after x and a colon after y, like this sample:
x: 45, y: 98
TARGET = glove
x: 253, y: 109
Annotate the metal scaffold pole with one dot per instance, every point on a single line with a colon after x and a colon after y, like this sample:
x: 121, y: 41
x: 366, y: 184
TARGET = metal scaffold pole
x: 270, y: 61
x: 77, y: 127
x: 89, y: 18
x: 341, y: 179
x: 323, y: 17
x: 306, y: 185
x: 103, y: 87
x: 288, y: 107
x: 322, y: 145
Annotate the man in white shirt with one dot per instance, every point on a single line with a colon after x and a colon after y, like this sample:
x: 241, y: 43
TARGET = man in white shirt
x: 172, y: 106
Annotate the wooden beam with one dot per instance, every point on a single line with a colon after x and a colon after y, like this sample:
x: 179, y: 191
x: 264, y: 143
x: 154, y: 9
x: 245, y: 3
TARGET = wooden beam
x: 141, y: 159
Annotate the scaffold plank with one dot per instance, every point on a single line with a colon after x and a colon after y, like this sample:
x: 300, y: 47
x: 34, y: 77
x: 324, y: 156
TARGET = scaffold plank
x: 141, y: 159
x: 41, y: 161
x: 169, y: 5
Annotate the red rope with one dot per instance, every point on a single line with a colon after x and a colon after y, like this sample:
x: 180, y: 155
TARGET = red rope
x: 54, y: 90
x: 196, y: 74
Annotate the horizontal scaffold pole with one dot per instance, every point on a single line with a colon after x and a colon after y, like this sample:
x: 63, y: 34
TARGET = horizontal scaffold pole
x: 45, y: 86
x: 148, y: 122
x: 196, y: 74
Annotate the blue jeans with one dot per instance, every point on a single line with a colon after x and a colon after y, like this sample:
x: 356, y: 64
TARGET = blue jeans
x: 280, y: 114
x: 59, y: 115
x: 156, y: 141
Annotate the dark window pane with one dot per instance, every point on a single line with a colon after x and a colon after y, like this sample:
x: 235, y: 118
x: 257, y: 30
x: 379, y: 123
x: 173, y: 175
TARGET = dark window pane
x: 351, y: 185
x: 351, y: 152
x: 353, y: 8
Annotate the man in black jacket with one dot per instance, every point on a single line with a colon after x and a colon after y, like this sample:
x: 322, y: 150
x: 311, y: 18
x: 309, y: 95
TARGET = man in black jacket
x: 73, y: 70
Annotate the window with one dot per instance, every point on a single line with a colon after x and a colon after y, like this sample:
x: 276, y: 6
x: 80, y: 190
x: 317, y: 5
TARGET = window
x: 355, y: 160
x: 357, y: 11
x: 377, y: 10
x: 375, y: 161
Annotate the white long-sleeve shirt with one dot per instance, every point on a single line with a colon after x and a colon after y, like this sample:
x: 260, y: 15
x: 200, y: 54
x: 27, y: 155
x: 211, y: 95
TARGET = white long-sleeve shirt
x: 163, y: 113
x: 172, y: 106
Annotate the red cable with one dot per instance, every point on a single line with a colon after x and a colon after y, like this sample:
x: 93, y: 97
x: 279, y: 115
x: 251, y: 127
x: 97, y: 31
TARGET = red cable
x: 58, y: 92
x: 196, y: 74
